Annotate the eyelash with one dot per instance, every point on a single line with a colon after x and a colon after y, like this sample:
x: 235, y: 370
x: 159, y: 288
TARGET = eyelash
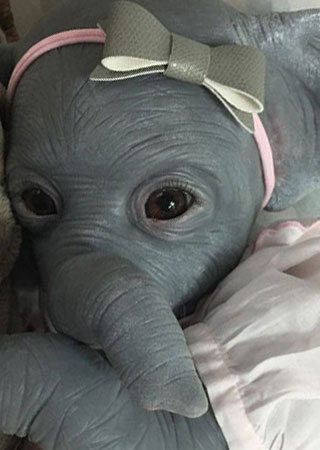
x: 177, y: 184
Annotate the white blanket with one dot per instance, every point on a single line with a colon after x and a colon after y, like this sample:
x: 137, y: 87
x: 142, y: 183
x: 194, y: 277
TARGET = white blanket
x: 256, y: 345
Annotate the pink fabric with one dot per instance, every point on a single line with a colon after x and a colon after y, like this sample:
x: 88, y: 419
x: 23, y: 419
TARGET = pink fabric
x: 97, y: 36
x: 256, y: 344
x: 266, y: 157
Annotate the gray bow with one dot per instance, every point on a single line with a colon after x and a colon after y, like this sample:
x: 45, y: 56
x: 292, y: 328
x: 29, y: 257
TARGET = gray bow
x: 138, y: 44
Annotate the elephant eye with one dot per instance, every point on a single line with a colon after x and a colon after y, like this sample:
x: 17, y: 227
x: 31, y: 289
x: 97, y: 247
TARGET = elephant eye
x: 168, y: 203
x: 38, y: 202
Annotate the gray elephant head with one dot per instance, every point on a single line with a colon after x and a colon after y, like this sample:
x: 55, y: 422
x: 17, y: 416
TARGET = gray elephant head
x: 139, y: 195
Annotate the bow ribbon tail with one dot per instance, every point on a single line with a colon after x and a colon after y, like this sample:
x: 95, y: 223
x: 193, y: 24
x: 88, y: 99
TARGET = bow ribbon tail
x: 244, y: 118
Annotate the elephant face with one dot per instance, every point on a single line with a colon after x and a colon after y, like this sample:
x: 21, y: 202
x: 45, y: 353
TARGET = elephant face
x: 139, y: 197
x: 143, y: 169
x: 132, y: 201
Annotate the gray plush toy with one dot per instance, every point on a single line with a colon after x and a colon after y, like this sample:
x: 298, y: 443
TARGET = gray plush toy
x: 139, y: 196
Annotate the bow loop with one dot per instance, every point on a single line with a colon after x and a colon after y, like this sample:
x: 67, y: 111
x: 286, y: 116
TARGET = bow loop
x: 136, y: 39
x: 138, y: 44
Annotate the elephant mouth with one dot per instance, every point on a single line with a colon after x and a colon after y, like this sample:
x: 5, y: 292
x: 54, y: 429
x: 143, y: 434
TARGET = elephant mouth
x: 188, y: 313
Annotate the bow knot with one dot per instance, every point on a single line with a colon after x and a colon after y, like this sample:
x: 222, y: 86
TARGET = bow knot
x: 138, y: 44
x: 188, y: 61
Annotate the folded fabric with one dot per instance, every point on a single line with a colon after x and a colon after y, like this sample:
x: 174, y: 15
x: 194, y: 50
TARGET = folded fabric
x: 256, y: 345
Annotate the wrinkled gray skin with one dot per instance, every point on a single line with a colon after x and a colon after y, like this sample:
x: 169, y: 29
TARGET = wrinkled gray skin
x: 109, y: 276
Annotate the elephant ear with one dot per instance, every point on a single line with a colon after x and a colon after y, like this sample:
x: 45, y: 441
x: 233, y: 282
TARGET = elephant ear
x: 296, y: 31
x: 291, y: 43
x: 7, y: 62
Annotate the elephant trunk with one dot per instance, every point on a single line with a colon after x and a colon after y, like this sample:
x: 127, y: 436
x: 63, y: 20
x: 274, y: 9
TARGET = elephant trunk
x: 110, y: 303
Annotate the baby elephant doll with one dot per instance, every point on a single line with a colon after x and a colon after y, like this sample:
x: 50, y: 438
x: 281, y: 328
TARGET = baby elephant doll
x: 137, y: 163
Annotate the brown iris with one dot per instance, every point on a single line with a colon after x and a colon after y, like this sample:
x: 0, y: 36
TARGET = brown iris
x: 166, y: 204
x: 38, y: 202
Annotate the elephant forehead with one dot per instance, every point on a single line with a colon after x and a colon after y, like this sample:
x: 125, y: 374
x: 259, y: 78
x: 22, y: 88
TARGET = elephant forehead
x: 59, y: 111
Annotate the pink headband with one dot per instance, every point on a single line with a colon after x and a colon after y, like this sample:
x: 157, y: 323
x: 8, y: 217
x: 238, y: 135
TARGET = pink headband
x: 97, y: 36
